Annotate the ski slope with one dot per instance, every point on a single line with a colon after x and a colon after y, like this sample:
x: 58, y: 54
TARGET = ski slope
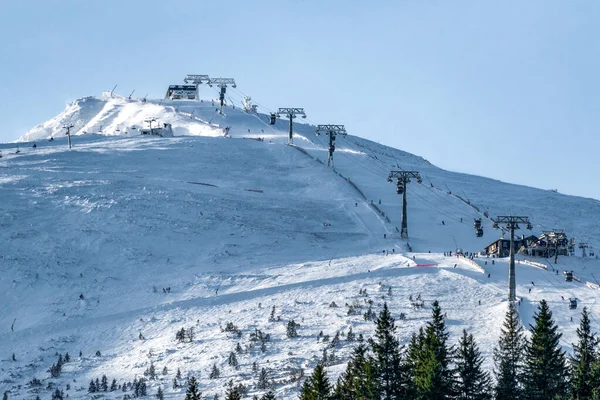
x: 234, y: 226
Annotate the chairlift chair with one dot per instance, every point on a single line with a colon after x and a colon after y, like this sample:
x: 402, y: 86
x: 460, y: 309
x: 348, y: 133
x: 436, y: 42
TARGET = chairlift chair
x: 479, y: 232
x: 572, y: 304
x: 529, y: 226
x: 477, y: 223
x: 495, y: 226
x: 569, y: 276
x: 272, y: 119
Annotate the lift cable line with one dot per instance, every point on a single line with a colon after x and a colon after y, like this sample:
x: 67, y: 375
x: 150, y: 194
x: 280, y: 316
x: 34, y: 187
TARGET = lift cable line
x: 290, y: 113
x: 222, y: 83
x: 332, y: 131
x: 402, y: 178
x: 68, y: 128
x: 512, y: 223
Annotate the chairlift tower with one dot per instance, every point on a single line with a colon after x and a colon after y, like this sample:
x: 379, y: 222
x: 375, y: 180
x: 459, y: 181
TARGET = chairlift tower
x: 196, y: 80
x: 222, y: 84
x: 291, y: 113
x: 512, y: 223
x: 68, y: 128
x: 332, y: 131
x: 583, y: 246
x: 402, y: 178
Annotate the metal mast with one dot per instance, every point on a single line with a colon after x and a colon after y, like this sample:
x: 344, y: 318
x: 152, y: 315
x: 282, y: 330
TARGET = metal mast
x: 512, y: 223
x: 402, y: 178
x: 68, y: 128
x: 222, y: 84
x: 332, y: 131
x: 291, y: 113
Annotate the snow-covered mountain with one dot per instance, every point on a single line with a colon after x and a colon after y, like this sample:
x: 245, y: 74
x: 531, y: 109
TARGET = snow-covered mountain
x: 117, y: 244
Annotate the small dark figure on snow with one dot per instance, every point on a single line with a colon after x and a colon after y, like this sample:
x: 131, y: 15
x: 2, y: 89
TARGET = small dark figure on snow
x: 385, y: 236
x: 141, y: 337
x: 443, y: 223
x: 81, y: 296
x: 479, y: 302
x: 489, y: 275
x: 529, y: 290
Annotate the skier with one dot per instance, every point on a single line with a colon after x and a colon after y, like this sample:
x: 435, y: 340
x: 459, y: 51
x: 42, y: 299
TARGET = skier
x: 385, y: 236
x: 443, y: 223
x: 34, y: 145
x: 489, y: 275
x: 479, y: 302
x: 529, y: 290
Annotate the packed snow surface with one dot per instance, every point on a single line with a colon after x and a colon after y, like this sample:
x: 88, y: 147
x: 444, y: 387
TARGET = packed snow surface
x: 116, y: 244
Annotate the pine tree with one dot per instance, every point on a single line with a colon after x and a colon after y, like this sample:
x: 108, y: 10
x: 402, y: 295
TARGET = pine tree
x: 317, y: 386
x: 432, y: 376
x: 92, y: 388
x: 508, y: 357
x: 232, y: 393
x: 5, y: 396
x: 159, y: 394
x: 104, y: 384
x: 263, y: 380
x: 291, y: 331
x: 413, y: 353
x: 233, y: 360
x: 215, y: 373
x: 390, y: 371
x: 113, y: 385
x: 545, y: 373
x: 193, y: 392
x: 268, y: 396
x: 358, y: 381
x: 473, y: 383
x: 584, y: 356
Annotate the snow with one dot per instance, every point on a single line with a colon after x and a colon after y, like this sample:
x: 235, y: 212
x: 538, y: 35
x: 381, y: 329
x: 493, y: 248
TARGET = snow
x: 234, y: 226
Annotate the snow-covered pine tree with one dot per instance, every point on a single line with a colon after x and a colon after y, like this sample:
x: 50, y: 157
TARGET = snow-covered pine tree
x: 584, y: 356
x: 508, y: 357
x: 92, y: 387
x: 473, y: 382
x: 159, y: 394
x: 193, y: 393
x: 545, y: 374
x: 263, y: 380
x: 268, y: 396
x: 233, y: 360
x: 214, y: 373
x: 291, y: 331
x: 391, y: 374
x: 104, y: 383
x: 232, y: 393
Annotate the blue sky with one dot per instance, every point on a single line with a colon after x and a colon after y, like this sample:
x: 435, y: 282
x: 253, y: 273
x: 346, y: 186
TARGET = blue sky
x: 504, y: 89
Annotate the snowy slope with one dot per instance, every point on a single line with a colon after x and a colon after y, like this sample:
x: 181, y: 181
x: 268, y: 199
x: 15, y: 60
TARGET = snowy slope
x: 234, y: 226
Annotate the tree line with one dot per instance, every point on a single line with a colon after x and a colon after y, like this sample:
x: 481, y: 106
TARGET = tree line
x: 430, y: 368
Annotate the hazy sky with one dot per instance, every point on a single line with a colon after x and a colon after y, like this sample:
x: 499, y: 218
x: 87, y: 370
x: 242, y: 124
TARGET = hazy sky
x: 504, y: 89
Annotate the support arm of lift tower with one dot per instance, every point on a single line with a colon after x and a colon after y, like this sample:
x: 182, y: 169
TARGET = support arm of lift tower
x: 291, y: 113
x: 332, y: 131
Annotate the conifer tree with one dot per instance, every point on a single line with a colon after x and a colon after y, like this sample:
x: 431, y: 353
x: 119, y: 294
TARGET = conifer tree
x: 232, y: 393
x: 268, y: 396
x: 92, y: 388
x: 413, y: 355
x: 263, y: 379
x: 317, y: 386
x: 214, y: 373
x: 433, y: 377
x: 391, y: 376
x: 104, y: 384
x: 159, y: 394
x: 508, y: 357
x: 358, y: 381
x: 193, y: 393
x: 545, y: 374
x: 233, y: 360
x: 584, y: 356
x: 472, y: 382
